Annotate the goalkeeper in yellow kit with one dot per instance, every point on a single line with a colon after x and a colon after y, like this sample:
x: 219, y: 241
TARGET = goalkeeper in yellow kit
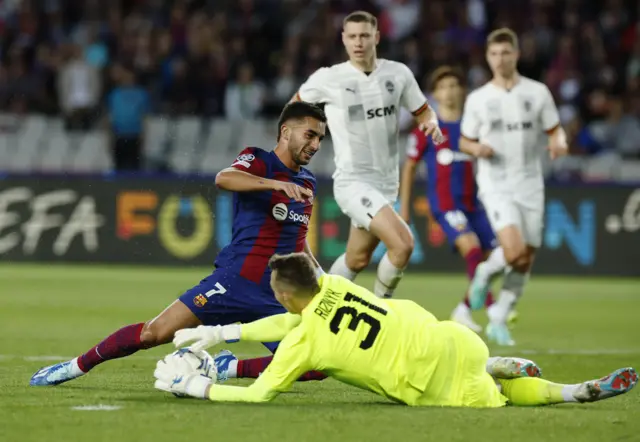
x: 393, y: 348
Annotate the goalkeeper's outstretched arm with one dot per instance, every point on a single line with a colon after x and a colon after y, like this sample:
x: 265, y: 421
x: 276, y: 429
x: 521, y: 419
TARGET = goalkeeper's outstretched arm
x: 289, y: 363
x: 270, y: 329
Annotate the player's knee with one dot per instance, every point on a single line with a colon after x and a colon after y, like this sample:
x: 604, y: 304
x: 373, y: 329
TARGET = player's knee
x: 400, y: 253
x: 357, y: 261
x: 515, y: 256
x: 523, y: 265
x: 153, y: 335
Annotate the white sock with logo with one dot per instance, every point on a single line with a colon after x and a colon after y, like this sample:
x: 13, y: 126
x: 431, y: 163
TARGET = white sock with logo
x: 339, y: 267
x: 387, y: 278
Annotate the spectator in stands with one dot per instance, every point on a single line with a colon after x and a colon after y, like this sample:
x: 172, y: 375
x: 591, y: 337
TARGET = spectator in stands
x: 245, y: 95
x: 96, y: 52
x: 285, y: 85
x: 128, y: 105
x: 79, y: 90
x: 624, y: 130
x: 181, y: 93
x: 191, y: 55
x: 24, y: 85
x: 45, y: 67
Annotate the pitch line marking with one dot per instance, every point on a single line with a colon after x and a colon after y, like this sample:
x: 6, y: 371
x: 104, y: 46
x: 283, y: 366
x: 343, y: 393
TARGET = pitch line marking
x: 99, y: 407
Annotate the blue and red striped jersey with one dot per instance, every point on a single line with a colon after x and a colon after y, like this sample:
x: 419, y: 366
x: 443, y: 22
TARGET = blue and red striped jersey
x: 451, y: 183
x: 266, y: 222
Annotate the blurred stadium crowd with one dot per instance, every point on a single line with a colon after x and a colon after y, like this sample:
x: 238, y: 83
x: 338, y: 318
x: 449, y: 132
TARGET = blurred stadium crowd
x: 243, y: 59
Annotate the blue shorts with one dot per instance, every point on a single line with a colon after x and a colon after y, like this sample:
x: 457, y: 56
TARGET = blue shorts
x: 225, y: 297
x: 458, y: 222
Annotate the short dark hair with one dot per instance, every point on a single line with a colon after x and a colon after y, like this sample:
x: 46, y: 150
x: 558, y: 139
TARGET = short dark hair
x: 503, y: 35
x: 361, y: 17
x: 296, y: 270
x: 298, y: 110
x: 443, y: 72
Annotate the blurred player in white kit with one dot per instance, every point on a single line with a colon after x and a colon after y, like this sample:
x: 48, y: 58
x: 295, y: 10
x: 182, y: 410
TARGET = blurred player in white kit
x: 363, y: 97
x: 503, y: 126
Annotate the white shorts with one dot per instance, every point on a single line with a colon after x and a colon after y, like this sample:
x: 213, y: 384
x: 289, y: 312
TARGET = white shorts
x: 505, y: 210
x: 362, y: 201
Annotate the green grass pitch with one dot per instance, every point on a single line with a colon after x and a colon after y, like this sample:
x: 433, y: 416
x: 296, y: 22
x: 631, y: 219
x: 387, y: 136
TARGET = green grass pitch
x: 575, y: 328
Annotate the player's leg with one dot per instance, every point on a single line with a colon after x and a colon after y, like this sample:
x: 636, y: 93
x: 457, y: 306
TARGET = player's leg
x: 507, y: 220
x: 513, y: 284
x: 468, y: 246
x: 464, y: 241
x: 398, y: 239
x: 492, y: 266
x: 123, y: 342
x: 529, y: 233
x: 360, y: 247
x: 354, y: 199
x: 369, y: 209
x: 535, y: 391
x: 511, y: 292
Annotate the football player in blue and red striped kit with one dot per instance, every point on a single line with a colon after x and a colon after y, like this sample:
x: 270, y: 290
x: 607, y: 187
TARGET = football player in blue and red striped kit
x: 273, y: 200
x: 451, y: 187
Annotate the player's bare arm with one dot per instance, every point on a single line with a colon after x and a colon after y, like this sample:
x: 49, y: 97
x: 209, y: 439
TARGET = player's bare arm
x: 414, y: 100
x: 557, y: 142
x: 235, y: 180
x: 427, y: 120
x: 316, y: 264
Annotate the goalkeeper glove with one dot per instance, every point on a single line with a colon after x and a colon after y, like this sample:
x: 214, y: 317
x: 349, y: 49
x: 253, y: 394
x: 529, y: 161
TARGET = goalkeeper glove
x: 174, y: 375
x: 205, y: 336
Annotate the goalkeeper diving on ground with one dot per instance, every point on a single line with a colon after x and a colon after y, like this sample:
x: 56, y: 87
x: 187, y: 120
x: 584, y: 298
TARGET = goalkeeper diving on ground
x: 391, y: 347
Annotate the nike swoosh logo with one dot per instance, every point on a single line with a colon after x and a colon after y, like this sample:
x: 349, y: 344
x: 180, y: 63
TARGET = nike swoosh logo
x: 353, y: 91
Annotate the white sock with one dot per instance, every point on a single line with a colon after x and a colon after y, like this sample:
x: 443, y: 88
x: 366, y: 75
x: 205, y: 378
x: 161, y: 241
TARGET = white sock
x: 232, y: 371
x: 567, y: 393
x: 387, y: 278
x: 511, y: 291
x: 493, y: 266
x: 339, y: 267
x: 75, y: 368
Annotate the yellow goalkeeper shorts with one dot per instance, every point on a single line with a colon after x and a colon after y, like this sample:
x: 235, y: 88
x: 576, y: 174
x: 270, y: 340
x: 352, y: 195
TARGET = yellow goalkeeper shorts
x: 460, y: 378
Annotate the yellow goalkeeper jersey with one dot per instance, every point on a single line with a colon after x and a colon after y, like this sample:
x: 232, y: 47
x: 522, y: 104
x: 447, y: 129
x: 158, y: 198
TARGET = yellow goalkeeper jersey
x: 390, y: 347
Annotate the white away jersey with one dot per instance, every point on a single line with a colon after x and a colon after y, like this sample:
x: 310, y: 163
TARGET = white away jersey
x: 362, y: 111
x: 512, y: 122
